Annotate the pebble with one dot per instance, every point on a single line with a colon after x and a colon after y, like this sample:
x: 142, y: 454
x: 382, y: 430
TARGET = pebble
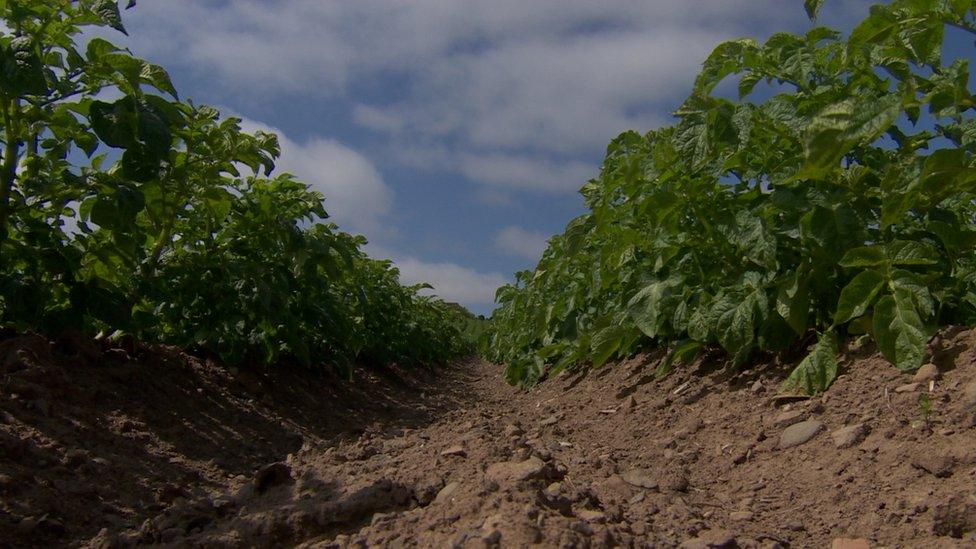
x: 711, y: 539
x: 800, y: 433
x: 640, y: 478
x: 926, y: 373
x: 590, y: 515
x: 785, y: 419
x: 454, y: 451
x: 845, y: 437
x: 551, y: 420
x: 907, y: 388
x: 969, y: 393
x: 757, y: 386
x: 446, y: 493
x: 740, y: 516
x: 940, y: 466
x: 271, y: 475
x: 515, y: 471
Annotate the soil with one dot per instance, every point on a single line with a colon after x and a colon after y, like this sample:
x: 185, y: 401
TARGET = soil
x: 116, y: 445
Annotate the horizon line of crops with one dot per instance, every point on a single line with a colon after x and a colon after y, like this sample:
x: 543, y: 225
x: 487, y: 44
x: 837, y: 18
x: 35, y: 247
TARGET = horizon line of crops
x: 824, y: 211
x: 184, y: 234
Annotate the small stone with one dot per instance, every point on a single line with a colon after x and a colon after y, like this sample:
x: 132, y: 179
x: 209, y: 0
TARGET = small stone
x: 512, y: 430
x: 800, y: 433
x: 446, y: 493
x: 785, y: 419
x: 711, y: 539
x: 938, y: 465
x: 757, y: 386
x: 638, y: 497
x: 590, y: 515
x: 551, y: 420
x: 516, y: 471
x: 969, y: 393
x: 907, y: 388
x: 928, y: 372
x: 640, y: 478
x: 75, y: 457
x: 740, y: 516
x: 271, y: 475
x: 850, y: 543
x: 454, y: 451
x: 845, y: 437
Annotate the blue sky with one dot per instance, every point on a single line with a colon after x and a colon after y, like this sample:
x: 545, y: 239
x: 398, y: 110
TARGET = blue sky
x: 453, y: 134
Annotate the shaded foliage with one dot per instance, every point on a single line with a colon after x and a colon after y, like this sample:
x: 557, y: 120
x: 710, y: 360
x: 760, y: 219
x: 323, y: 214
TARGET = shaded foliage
x: 156, y: 217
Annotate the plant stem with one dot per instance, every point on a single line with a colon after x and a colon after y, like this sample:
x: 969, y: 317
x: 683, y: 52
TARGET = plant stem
x: 8, y: 170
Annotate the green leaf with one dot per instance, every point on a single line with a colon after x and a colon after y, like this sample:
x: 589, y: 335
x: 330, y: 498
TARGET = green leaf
x: 857, y: 296
x: 841, y: 126
x: 865, y: 256
x: 899, y: 332
x: 793, y: 302
x: 817, y: 371
x: 606, y: 342
x: 912, y: 252
x: 108, y: 12
x: 21, y: 69
x: 683, y: 353
x: 735, y: 320
x: 812, y: 8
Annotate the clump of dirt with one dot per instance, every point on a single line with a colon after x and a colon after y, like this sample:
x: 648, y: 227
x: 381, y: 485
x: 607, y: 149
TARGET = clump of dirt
x: 704, y: 458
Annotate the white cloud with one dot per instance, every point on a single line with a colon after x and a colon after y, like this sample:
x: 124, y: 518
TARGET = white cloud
x: 356, y: 196
x: 527, y: 172
x: 548, y: 80
x: 451, y: 282
x: 521, y: 242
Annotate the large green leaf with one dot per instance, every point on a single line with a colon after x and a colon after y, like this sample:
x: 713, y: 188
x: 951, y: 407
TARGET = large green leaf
x: 841, y: 126
x: 817, y: 371
x: 857, y: 296
x: 899, y: 331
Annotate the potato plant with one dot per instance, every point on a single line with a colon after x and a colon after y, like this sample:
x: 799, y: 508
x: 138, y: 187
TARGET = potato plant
x: 839, y: 203
x: 149, y: 215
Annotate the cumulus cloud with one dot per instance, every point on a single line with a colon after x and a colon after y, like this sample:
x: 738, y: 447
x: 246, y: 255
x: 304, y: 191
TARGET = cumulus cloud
x: 356, y: 196
x: 520, y: 242
x: 452, y: 282
x: 547, y: 79
x: 527, y: 172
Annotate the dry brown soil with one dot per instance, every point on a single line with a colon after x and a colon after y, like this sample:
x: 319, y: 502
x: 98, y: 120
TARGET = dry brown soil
x: 120, y: 445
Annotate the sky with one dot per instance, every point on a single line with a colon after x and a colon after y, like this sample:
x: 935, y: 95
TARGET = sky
x: 453, y: 134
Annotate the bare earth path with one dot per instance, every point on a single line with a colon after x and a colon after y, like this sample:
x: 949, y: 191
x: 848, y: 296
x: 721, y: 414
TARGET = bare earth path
x: 203, y: 456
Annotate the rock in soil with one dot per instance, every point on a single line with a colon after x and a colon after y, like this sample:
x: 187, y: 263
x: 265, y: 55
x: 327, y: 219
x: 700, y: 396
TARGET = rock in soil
x: 849, y: 436
x: 799, y: 433
x: 928, y: 372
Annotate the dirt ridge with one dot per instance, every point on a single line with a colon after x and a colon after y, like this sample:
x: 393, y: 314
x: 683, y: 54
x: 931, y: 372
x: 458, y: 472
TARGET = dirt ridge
x: 454, y: 457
